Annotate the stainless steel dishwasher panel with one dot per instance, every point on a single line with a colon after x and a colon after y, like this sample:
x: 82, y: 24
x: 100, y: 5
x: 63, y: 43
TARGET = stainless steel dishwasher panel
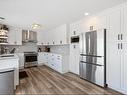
x: 7, y: 83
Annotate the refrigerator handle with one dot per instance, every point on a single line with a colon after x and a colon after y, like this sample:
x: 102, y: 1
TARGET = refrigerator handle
x: 89, y: 43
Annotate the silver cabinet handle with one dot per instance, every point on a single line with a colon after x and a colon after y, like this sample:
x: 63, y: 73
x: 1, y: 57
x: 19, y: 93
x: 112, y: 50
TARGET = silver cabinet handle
x: 60, y: 42
x: 74, y: 32
x: 121, y: 46
x: 118, y: 46
x: 74, y: 46
x: 121, y: 36
x: 118, y: 36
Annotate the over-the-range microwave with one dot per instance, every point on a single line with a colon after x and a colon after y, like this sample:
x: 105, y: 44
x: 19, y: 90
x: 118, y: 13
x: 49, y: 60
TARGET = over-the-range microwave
x: 75, y: 39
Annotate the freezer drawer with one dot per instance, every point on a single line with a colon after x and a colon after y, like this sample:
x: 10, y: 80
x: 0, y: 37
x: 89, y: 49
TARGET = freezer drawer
x: 7, y: 83
x: 93, y: 73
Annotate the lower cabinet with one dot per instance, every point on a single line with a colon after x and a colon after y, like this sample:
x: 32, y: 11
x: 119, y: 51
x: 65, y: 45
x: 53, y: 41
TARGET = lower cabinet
x: 42, y: 58
x: 59, y: 63
x: 74, y: 58
x: 21, y: 60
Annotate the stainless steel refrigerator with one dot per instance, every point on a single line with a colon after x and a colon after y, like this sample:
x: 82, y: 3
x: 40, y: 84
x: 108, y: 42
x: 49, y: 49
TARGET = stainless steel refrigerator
x: 93, y: 57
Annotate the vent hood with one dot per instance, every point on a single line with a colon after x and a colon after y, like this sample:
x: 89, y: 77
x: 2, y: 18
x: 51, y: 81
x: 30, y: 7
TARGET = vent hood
x: 29, y: 36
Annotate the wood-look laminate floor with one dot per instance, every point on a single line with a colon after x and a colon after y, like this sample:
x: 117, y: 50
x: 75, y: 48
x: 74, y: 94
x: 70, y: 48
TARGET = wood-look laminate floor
x: 45, y: 81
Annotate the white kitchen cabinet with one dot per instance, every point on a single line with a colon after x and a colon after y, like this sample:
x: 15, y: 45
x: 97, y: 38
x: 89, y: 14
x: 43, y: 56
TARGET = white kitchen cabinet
x: 58, y: 62
x: 113, y: 50
x: 124, y: 49
x: 42, y: 58
x: 15, y: 36
x: 39, y: 38
x: 57, y: 36
x: 21, y: 60
x: 75, y: 29
x: 124, y: 24
x: 124, y: 68
x: 116, y: 50
x: 61, y: 34
x: 101, y: 22
x: 74, y: 58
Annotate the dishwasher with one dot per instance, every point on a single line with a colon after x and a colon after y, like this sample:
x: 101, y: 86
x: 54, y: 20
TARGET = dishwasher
x: 7, y: 82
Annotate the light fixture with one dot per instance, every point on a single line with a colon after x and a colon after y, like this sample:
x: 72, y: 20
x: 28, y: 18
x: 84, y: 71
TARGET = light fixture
x: 2, y: 18
x: 36, y: 26
x: 86, y: 14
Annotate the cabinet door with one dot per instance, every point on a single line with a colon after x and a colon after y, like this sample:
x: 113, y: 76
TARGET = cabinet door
x: 74, y: 58
x: 18, y: 36
x: 39, y: 38
x: 75, y: 29
x: 124, y: 67
x: 124, y: 50
x: 61, y: 34
x: 11, y: 37
x: 113, y: 51
x: 15, y: 36
x: 124, y: 24
x: 21, y: 60
x: 101, y: 22
x: 41, y: 58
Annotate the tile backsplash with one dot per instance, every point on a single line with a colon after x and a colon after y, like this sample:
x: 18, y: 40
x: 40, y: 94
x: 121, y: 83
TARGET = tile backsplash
x: 60, y: 49
x: 26, y: 47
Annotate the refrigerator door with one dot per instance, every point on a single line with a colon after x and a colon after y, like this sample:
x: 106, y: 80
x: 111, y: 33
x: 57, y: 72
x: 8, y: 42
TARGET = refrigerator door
x: 92, y: 56
x: 92, y: 73
x: 92, y: 43
x: 99, y: 60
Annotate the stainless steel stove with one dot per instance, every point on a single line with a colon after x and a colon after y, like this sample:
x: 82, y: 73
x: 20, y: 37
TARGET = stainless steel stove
x: 30, y: 59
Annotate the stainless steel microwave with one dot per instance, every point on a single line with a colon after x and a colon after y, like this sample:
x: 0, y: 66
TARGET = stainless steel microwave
x: 75, y: 39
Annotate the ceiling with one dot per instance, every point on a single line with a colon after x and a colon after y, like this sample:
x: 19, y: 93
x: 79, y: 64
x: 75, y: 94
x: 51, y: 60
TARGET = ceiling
x: 50, y: 13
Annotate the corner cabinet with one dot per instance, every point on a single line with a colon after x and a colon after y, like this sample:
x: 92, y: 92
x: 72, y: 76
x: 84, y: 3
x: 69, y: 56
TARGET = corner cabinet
x: 15, y: 36
x: 57, y: 62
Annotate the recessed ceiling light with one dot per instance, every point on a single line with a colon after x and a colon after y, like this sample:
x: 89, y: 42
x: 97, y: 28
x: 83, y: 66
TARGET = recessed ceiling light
x: 86, y: 14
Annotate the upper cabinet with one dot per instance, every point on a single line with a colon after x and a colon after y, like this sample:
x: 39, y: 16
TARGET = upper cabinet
x: 15, y: 36
x: 39, y: 38
x: 75, y: 29
x: 124, y: 24
x: 57, y: 36
x: 94, y: 23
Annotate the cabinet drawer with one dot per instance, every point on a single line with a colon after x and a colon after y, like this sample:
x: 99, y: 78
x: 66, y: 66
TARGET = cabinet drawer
x: 58, y: 66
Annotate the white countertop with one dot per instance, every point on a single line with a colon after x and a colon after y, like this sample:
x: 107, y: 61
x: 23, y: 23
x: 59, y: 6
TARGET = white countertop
x: 54, y: 53
x: 10, y: 62
x: 8, y: 56
x: 6, y: 70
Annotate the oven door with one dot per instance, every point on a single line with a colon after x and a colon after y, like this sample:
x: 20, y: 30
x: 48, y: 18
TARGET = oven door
x: 30, y: 60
